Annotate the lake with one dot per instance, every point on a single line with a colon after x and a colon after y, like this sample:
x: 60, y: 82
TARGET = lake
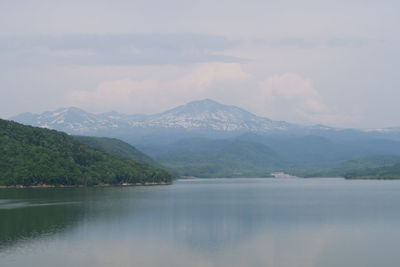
x: 210, y: 222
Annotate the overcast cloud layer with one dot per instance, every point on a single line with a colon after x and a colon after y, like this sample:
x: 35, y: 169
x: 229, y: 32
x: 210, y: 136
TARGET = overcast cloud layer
x: 329, y: 62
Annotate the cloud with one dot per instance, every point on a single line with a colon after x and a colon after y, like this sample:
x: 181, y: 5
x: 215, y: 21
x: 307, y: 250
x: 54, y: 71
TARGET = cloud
x: 114, y: 50
x: 296, y: 98
x: 289, y: 97
x: 315, y: 43
x: 349, y: 47
x: 152, y: 95
x: 295, y: 88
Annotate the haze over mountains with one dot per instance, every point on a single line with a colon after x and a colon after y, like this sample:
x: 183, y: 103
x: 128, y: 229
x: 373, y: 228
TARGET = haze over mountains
x: 208, y: 139
x: 202, y: 116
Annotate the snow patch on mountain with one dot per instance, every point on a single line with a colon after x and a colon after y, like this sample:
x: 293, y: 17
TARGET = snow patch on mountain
x: 197, y: 115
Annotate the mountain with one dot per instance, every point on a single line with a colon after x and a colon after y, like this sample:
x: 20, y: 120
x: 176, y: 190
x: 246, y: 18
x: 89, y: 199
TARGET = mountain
x: 203, y: 118
x: 383, y: 167
x: 202, y: 157
x: 35, y: 156
x: 311, y: 151
x: 116, y: 147
x: 391, y: 172
x: 369, y: 163
x: 350, y: 168
x: 205, y: 138
x: 73, y: 120
x: 211, y: 115
x: 203, y: 115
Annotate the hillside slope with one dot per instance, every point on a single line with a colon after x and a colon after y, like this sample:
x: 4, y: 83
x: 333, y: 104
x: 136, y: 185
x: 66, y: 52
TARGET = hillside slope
x: 216, y: 158
x: 116, y: 147
x: 351, y: 168
x: 34, y: 156
x: 386, y: 173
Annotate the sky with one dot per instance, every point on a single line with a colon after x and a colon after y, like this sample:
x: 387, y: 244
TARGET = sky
x: 309, y: 62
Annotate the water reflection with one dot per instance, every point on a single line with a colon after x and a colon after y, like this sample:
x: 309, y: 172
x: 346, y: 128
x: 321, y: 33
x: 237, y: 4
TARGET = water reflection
x: 22, y: 221
x: 206, y: 223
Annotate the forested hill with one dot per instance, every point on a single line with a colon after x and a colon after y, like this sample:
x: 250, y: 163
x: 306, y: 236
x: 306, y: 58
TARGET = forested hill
x: 201, y: 157
x: 116, y: 147
x: 384, y: 173
x: 35, y: 156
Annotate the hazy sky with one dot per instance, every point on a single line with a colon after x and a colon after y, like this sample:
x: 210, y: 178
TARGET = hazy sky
x: 330, y: 62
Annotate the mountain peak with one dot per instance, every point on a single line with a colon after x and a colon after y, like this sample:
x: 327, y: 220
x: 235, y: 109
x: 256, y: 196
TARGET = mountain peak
x: 199, y: 106
x: 204, y: 102
x: 68, y: 110
x: 205, y: 106
x: 205, y: 114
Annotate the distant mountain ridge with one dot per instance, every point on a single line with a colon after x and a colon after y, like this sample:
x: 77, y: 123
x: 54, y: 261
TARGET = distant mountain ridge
x: 202, y: 118
x: 208, y: 139
x: 204, y: 114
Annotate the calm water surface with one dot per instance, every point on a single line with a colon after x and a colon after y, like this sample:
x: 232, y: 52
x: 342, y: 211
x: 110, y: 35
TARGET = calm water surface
x: 216, y: 222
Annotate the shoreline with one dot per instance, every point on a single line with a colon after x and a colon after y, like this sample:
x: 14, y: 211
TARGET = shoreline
x: 80, y: 186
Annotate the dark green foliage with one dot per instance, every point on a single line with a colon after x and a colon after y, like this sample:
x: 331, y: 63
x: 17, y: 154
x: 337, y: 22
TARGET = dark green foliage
x: 311, y: 152
x: 216, y: 158
x: 34, y: 156
x: 363, y: 167
x: 369, y: 162
x: 314, y: 172
x: 386, y: 172
x: 116, y: 147
x: 258, y: 155
x: 122, y: 149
